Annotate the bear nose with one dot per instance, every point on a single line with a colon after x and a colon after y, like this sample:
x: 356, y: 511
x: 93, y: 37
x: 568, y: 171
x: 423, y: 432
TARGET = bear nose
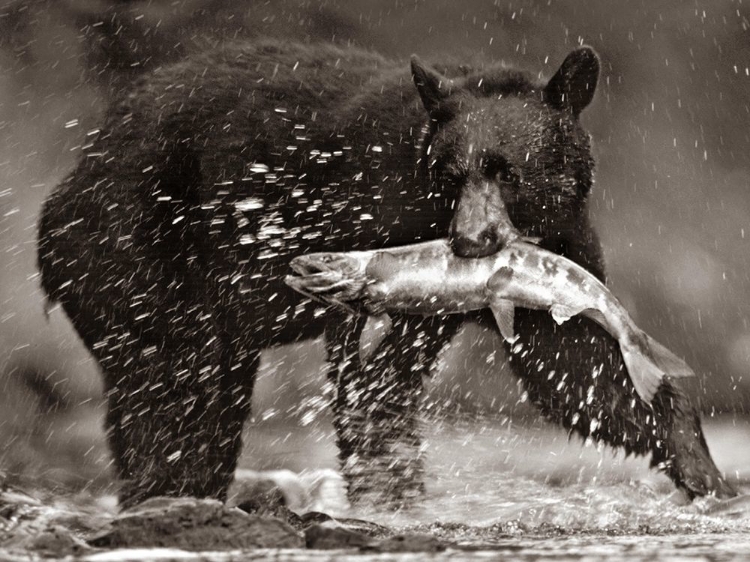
x: 486, y: 244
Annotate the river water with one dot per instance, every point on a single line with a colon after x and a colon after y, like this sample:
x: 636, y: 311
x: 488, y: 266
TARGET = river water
x: 528, y: 492
x: 714, y: 548
x: 497, y: 490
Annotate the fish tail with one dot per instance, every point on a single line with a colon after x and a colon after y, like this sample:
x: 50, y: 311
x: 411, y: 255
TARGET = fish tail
x: 648, y: 362
x: 644, y: 373
x: 672, y: 365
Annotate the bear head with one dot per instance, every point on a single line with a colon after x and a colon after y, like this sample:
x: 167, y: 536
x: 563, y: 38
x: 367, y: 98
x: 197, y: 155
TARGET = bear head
x: 509, y: 151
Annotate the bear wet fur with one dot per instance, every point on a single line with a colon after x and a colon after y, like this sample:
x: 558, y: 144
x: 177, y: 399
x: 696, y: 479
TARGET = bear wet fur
x: 168, y: 244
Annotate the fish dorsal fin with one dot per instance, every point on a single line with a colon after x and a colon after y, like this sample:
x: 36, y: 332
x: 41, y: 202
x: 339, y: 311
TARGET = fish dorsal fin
x: 562, y: 313
x: 503, y: 311
x: 375, y: 331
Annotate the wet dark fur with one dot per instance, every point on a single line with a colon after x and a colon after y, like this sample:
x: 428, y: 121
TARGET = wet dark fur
x: 175, y: 289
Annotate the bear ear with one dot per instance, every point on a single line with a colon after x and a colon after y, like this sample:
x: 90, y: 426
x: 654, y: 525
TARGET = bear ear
x: 432, y: 86
x: 572, y: 87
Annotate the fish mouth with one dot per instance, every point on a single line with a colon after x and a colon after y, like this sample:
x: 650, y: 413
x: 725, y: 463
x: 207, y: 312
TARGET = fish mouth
x: 317, y: 264
x: 305, y: 267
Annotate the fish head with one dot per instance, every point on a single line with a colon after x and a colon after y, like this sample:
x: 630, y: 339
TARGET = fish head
x: 326, y: 263
x: 332, y: 278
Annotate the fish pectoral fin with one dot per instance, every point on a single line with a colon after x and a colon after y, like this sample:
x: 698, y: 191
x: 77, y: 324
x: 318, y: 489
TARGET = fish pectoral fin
x: 562, y: 313
x: 503, y: 311
x: 375, y: 331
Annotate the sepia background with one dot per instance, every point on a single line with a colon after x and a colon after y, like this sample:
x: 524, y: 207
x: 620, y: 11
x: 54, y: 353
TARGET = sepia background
x: 670, y: 125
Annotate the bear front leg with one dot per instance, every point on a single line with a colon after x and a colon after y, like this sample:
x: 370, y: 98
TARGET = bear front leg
x: 176, y: 413
x: 376, y: 405
x: 683, y: 455
x: 575, y: 374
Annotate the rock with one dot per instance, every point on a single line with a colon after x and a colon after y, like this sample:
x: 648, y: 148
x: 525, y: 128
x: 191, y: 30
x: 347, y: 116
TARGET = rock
x: 25, y: 515
x: 15, y: 504
x: 195, y: 524
x: 407, y: 543
x: 358, y: 525
x: 325, y: 532
x: 277, y: 512
x: 332, y: 535
x: 44, y: 525
x: 54, y: 541
x: 328, y: 536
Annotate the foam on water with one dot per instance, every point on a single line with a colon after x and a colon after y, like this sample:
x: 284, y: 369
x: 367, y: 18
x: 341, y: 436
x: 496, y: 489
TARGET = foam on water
x: 490, y: 478
x: 536, y: 480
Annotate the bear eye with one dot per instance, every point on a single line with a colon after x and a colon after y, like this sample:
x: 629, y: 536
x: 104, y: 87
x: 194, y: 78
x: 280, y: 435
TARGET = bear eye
x: 498, y: 168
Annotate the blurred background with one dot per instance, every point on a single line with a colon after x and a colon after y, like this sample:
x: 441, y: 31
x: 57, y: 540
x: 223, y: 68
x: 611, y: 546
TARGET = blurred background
x: 671, y: 202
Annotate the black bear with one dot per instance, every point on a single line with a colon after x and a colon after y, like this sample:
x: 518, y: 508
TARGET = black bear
x: 167, y: 247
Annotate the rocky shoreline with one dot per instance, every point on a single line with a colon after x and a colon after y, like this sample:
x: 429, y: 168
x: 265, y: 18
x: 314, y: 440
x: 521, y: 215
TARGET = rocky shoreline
x: 44, y: 527
x: 37, y: 523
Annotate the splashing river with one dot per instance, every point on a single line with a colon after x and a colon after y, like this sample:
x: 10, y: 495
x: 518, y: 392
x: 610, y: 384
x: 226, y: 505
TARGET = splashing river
x: 495, y: 491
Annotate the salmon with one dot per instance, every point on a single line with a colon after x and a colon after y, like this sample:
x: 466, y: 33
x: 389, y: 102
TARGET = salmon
x: 427, y: 278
